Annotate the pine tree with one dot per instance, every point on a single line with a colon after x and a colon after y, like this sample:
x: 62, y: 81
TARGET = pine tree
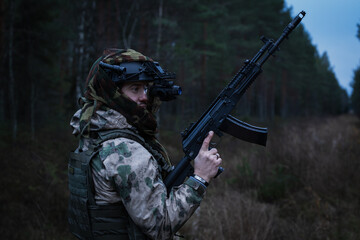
x: 355, y: 96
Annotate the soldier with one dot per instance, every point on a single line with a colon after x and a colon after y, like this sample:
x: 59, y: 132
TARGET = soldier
x: 116, y: 174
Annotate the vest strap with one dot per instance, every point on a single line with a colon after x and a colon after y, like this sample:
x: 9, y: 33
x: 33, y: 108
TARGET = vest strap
x: 132, y: 133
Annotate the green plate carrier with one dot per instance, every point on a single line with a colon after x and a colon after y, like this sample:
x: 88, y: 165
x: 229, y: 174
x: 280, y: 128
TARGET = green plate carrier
x: 87, y: 220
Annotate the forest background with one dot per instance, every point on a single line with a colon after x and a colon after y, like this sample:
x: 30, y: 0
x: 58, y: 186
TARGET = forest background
x: 303, y: 185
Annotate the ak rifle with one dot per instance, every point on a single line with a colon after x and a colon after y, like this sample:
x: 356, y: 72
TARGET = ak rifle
x: 217, y: 117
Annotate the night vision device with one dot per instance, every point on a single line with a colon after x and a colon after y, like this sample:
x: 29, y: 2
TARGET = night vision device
x: 148, y: 71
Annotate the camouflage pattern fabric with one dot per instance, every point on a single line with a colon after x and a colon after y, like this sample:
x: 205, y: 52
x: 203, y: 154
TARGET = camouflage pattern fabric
x: 117, y: 56
x: 102, y: 93
x: 124, y: 171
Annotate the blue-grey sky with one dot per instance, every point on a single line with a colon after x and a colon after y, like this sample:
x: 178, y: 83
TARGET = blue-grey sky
x: 332, y: 27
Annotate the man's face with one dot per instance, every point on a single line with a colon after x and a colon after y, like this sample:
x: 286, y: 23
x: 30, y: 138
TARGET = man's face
x: 136, y: 91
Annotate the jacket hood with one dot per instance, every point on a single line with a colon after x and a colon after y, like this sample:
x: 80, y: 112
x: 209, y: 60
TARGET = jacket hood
x: 100, y: 121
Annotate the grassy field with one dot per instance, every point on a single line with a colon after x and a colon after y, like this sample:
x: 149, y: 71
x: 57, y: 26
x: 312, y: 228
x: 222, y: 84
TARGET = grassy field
x: 303, y: 185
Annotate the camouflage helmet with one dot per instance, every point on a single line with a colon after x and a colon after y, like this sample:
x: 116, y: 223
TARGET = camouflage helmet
x: 103, y: 93
x: 121, y: 66
x: 115, y: 56
x: 128, y: 66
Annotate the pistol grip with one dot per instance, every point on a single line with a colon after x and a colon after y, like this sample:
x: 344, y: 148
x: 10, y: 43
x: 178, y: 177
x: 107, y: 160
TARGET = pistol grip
x: 220, y: 170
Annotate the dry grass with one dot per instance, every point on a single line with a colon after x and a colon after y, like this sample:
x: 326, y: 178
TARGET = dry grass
x: 303, y: 185
x: 34, y: 187
x: 229, y: 215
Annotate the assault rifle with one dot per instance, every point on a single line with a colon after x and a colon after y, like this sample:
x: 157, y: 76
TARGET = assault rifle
x: 217, y: 117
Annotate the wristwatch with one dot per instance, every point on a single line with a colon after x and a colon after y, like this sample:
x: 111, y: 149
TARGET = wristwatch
x: 200, y: 179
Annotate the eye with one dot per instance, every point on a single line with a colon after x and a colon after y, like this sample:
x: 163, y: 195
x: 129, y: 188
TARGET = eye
x: 135, y: 89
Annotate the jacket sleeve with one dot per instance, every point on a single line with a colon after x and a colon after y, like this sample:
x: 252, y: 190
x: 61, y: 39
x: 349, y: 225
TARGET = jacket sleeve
x: 139, y: 183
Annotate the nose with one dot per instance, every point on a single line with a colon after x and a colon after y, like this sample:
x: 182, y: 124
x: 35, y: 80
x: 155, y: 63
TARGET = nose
x: 143, y: 95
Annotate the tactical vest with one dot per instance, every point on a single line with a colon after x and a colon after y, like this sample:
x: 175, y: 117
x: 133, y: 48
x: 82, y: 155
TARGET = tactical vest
x: 86, y: 219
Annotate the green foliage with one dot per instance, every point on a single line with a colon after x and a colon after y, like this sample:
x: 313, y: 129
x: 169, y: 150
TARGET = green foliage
x: 213, y: 41
x: 355, y: 96
x: 332, y: 101
x: 278, y: 185
x: 55, y: 47
x: 36, y: 47
x: 244, y: 176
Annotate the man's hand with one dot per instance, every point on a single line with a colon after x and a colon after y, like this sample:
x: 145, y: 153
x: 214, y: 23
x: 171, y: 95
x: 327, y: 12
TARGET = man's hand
x: 207, y: 162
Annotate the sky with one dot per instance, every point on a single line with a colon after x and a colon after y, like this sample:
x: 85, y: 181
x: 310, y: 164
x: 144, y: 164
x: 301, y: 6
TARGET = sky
x: 332, y: 28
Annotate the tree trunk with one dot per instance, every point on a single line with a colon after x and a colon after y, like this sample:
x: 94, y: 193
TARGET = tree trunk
x: 158, y: 40
x: 127, y: 30
x: 2, y: 105
x: 203, y: 66
x: 181, y: 79
x: 13, y: 103
x: 2, y: 61
x: 283, y: 107
x: 32, y: 110
x: 32, y: 79
x: 143, y: 45
x: 80, y: 52
x: 271, y: 99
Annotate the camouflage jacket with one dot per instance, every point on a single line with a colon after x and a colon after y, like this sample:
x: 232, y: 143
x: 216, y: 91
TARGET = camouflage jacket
x: 124, y: 171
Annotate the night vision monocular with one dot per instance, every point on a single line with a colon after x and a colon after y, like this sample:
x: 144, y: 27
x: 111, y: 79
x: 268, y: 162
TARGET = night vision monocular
x: 162, y: 87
